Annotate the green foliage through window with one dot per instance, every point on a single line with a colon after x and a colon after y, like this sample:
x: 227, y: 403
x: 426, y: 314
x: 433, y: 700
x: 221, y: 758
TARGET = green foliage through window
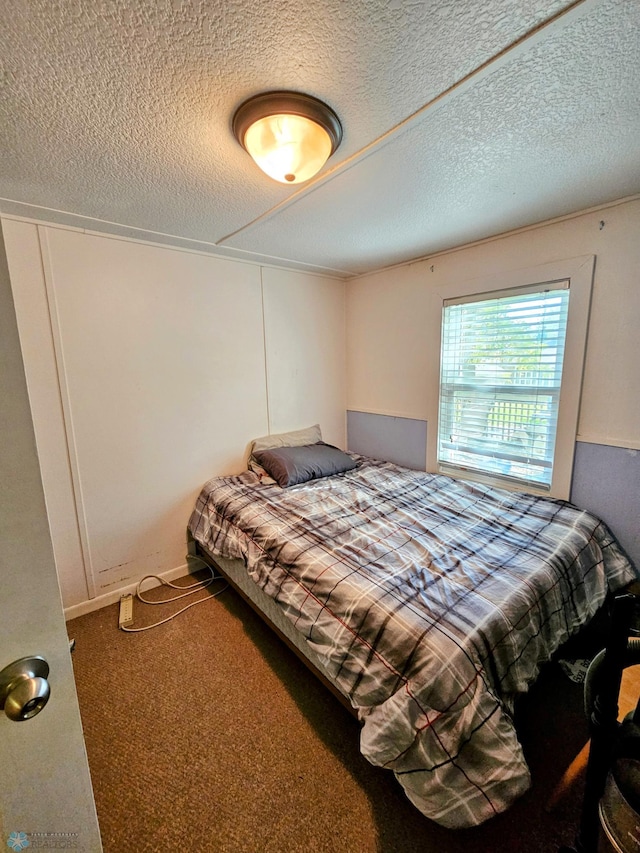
x: 501, y: 370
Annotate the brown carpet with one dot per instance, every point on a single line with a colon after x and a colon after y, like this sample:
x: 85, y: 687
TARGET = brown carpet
x: 208, y: 735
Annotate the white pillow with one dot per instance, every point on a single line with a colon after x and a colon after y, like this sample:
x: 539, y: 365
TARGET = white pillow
x: 296, y: 438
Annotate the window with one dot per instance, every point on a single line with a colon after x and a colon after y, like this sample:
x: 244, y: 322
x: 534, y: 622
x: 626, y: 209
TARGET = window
x: 500, y: 377
x: 511, y: 354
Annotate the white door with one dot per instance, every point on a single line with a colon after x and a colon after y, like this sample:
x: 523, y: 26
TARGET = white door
x: 46, y: 799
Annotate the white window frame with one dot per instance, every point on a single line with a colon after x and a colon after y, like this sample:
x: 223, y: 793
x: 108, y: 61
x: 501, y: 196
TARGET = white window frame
x: 579, y: 273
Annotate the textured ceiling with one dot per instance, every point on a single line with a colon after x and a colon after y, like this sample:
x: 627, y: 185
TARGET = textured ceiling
x: 461, y: 119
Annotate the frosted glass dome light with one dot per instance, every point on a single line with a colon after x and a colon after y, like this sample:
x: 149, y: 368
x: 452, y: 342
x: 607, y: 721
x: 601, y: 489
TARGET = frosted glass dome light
x: 289, y: 135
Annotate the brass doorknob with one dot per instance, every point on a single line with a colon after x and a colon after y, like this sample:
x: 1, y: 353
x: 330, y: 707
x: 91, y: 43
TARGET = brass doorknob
x: 24, y: 689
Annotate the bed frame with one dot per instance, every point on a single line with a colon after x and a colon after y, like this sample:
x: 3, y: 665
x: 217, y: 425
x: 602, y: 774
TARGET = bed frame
x: 235, y: 573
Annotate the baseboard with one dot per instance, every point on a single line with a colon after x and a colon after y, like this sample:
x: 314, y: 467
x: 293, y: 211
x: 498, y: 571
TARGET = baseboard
x: 112, y: 597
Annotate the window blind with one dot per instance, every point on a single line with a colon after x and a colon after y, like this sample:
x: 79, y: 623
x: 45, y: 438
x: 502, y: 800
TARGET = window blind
x: 501, y: 371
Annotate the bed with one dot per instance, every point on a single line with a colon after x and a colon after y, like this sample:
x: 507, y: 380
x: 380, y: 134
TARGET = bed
x: 426, y: 602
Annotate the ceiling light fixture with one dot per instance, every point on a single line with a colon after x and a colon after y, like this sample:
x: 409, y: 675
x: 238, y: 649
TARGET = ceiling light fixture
x: 289, y: 135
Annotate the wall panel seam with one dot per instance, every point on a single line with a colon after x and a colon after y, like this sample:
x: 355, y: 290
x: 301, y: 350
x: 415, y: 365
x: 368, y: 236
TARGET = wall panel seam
x: 72, y: 451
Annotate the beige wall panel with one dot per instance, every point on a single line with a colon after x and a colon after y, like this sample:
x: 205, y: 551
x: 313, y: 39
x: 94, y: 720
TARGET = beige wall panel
x: 305, y: 352
x: 392, y: 313
x: 387, y: 336
x: 36, y: 340
x: 162, y: 362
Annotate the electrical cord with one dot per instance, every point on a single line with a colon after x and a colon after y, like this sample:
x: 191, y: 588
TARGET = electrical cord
x: 190, y: 589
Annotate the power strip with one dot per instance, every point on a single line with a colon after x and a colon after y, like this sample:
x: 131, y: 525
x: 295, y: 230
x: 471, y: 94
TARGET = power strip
x: 126, y: 611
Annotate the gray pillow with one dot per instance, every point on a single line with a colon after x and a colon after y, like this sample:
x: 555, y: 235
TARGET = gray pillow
x: 294, y: 438
x: 290, y: 466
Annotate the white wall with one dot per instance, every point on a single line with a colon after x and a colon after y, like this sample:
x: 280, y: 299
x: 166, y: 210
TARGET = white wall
x: 393, y: 315
x: 306, y: 352
x: 149, y: 370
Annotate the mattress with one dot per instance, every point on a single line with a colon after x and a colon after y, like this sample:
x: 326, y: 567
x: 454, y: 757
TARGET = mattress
x: 236, y: 571
x: 430, y: 602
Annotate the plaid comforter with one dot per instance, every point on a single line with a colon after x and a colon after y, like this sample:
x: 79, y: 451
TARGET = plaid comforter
x: 431, y: 601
